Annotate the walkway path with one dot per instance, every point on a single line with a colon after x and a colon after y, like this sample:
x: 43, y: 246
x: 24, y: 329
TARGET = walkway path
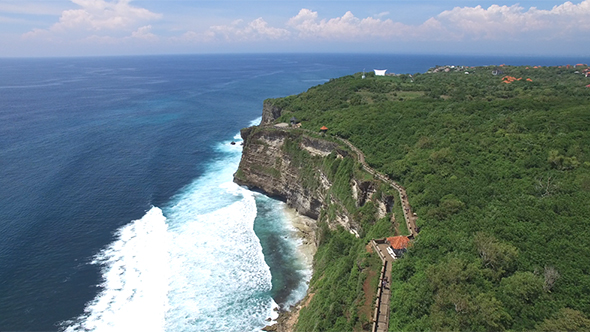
x: 406, y: 208
x: 408, y: 215
x: 381, y: 314
x: 382, y: 309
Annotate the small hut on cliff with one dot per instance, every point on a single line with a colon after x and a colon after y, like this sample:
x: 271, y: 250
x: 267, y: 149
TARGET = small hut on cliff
x: 398, y: 245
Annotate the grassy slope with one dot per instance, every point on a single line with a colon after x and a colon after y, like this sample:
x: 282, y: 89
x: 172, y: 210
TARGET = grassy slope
x: 499, y: 175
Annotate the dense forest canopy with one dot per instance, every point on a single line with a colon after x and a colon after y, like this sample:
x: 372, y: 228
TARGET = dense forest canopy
x: 497, y: 168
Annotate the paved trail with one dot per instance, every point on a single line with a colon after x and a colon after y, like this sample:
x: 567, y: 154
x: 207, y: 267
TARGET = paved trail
x: 408, y: 215
x: 407, y: 209
x: 381, y: 314
x: 382, y: 305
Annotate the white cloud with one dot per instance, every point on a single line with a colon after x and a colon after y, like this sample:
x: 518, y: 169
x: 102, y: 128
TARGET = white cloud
x: 497, y: 22
x: 144, y: 33
x: 98, y: 40
x: 120, y: 22
x: 194, y: 37
x: 103, y: 15
x: 237, y: 31
x: 347, y: 27
x: 99, y: 16
x: 257, y: 29
x: 461, y: 23
x: 37, y: 33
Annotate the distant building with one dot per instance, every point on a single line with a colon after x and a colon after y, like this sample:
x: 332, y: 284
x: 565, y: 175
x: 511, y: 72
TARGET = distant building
x: 293, y: 121
x: 379, y: 72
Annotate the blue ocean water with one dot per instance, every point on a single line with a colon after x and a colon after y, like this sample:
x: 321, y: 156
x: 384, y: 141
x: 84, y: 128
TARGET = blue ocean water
x: 117, y: 210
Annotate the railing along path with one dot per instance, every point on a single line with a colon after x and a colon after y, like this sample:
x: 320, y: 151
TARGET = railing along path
x: 406, y: 208
x: 381, y: 313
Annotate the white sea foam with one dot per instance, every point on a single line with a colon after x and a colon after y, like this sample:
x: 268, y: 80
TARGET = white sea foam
x: 303, y: 254
x: 135, y: 279
x: 221, y: 282
x: 198, y: 268
x: 255, y: 122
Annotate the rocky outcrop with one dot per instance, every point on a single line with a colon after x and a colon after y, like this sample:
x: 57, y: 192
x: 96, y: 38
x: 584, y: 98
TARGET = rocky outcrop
x: 286, y: 164
x: 317, y: 147
x: 266, y: 167
x: 270, y: 112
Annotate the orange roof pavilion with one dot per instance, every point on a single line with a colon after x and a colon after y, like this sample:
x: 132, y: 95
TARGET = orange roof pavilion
x: 324, y: 128
x: 399, y: 242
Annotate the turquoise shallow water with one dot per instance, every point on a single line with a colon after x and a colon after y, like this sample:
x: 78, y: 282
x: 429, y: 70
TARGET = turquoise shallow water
x: 117, y: 210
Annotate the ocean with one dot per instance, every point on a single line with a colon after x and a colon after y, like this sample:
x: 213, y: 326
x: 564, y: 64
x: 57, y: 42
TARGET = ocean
x: 117, y: 206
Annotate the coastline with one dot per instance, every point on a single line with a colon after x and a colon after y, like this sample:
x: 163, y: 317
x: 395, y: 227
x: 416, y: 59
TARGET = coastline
x: 305, y: 229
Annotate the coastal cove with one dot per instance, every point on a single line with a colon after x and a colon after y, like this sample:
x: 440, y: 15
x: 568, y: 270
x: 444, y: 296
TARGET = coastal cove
x: 118, y: 192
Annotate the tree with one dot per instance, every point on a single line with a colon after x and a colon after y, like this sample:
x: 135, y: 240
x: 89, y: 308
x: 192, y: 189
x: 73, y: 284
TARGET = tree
x: 551, y: 276
x: 565, y: 320
x: 495, y: 254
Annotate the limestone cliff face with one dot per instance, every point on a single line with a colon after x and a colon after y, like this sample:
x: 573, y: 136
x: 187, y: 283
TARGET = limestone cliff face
x: 269, y: 113
x: 265, y: 166
x: 285, y: 164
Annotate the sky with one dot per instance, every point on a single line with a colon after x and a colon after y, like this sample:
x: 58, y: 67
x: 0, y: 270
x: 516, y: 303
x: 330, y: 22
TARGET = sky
x: 33, y: 28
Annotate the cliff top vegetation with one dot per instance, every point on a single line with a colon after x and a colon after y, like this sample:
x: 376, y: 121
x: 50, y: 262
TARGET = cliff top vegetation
x: 497, y: 168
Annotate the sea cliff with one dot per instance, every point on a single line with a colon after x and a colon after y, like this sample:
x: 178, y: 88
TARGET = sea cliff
x: 315, y: 175
x: 291, y: 165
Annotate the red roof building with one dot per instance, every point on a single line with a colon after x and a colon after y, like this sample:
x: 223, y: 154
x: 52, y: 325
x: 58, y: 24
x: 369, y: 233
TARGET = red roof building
x: 398, y: 242
x: 324, y: 128
x: 398, y: 245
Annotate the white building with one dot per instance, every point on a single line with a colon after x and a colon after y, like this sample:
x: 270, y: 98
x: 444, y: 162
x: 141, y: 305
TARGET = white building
x: 379, y: 72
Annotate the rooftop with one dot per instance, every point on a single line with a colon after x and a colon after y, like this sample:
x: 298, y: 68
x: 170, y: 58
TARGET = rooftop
x: 398, y: 242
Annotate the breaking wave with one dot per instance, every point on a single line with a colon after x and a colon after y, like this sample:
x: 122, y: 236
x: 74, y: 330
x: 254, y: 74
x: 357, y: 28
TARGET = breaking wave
x: 194, y: 265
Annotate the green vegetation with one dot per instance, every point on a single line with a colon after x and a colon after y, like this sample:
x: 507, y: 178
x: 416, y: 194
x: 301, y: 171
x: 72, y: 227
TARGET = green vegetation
x: 499, y: 175
x: 399, y: 218
x: 345, y: 274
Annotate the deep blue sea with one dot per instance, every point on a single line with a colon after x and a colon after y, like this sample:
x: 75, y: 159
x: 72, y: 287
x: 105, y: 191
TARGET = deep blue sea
x: 117, y: 207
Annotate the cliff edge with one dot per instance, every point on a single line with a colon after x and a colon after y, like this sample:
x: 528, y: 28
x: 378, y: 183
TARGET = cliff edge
x: 314, y: 176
